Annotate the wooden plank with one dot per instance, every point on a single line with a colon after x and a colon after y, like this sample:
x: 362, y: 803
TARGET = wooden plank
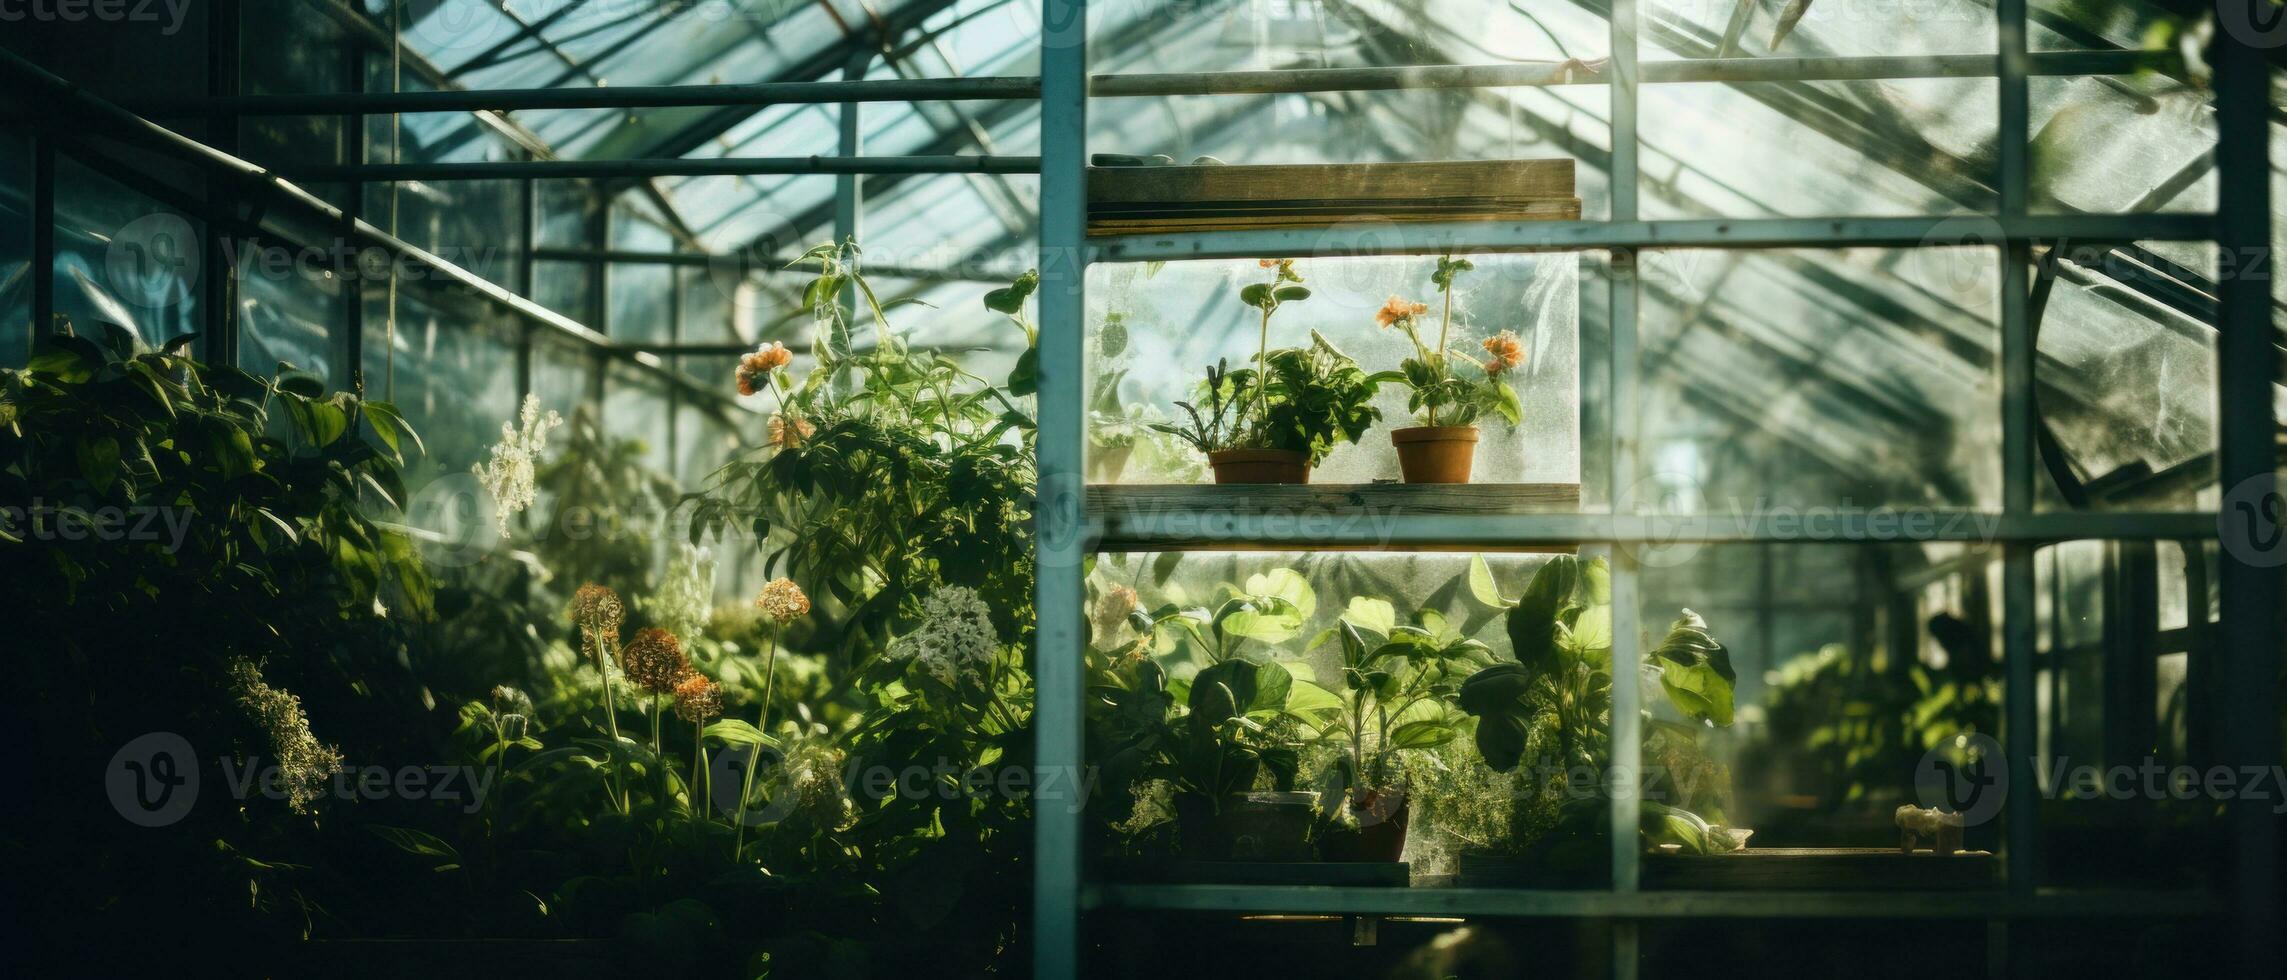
x: 1335, y: 498
x: 2046, y: 903
x: 1824, y: 869
x: 1356, y: 874
x: 1319, y: 512
x: 1363, y: 181
x: 1545, y: 209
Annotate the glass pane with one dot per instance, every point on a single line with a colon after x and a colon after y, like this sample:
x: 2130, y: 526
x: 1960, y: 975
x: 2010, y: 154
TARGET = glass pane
x: 2141, y: 143
x: 1798, y: 378
x: 123, y: 258
x: 1155, y: 328
x: 1766, y: 149
x: 16, y: 240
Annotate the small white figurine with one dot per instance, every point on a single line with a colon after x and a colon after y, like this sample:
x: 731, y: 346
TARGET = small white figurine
x: 1941, y: 828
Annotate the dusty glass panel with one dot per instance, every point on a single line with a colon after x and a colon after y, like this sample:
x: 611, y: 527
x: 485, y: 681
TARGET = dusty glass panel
x: 1156, y: 327
x: 124, y: 258
x: 1768, y: 149
x: 15, y: 248
x: 1852, y: 378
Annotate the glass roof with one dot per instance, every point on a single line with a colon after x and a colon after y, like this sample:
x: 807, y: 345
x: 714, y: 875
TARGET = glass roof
x: 1872, y: 348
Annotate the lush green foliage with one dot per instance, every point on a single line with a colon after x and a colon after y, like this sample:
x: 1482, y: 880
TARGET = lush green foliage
x: 1309, y: 400
x: 1438, y: 393
x: 1552, y: 706
x: 197, y: 550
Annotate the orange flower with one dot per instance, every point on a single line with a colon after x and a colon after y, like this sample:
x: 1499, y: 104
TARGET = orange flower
x: 773, y: 357
x: 697, y: 699
x: 654, y: 660
x: 1506, y: 352
x: 1267, y: 263
x: 1397, y: 309
x: 784, y: 435
x: 755, y: 367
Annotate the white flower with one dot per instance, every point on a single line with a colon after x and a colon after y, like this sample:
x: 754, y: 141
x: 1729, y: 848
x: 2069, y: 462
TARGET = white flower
x: 510, y: 477
x: 956, y: 636
x: 685, y: 601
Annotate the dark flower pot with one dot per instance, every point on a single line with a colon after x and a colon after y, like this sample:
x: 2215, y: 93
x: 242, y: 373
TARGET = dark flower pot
x: 1248, y: 826
x: 1260, y: 466
x: 1381, y: 832
x: 1436, y: 453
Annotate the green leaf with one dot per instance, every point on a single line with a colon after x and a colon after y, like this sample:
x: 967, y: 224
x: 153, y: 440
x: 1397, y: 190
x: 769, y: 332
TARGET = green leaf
x: 1367, y: 613
x: 735, y: 732
x: 1481, y: 584
x: 1696, y: 672
x: 1024, y: 378
x: 1496, y: 697
x: 99, y: 461
x: 1287, y: 584
x: 1533, y: 620
x: 1421, y: 735
x: 1291, y: 294
x: 1010, y: 299
x: 419, y: 844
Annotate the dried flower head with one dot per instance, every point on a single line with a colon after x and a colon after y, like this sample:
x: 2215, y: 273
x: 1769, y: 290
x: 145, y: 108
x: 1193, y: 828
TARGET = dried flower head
x: 598, y: 613
x: 654, y: 660
x: 697, y: 699
x: 785, y: 434
x: 755, y: 367
x: 510, y: 479
x: 1398, y: 310
x: 507, y: 700
x: 1112, y: 609
x: 782, y: 601
x: 1505, y: 351
x: 820, y: 792
x: 956, y: 637
x: 304, y: 763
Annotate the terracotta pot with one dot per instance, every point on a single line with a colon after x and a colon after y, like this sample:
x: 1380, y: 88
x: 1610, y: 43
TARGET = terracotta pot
x: 1261, y: 826
x: 1381, y: 832
x: 1436, y: 453
x: 1260, y: 466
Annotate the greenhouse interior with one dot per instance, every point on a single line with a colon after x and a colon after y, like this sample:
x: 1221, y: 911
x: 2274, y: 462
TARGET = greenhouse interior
x: 885, y: 488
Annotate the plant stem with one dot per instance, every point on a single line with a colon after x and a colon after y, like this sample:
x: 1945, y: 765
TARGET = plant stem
x: 611, y: 723
x: 754, y: 755
x: 1263, y: 370
x: 1444, y: 326
x: 698, y: 770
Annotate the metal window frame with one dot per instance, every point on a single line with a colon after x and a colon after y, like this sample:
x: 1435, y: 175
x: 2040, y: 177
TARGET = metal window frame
x: 2247, y: 364
x: 2247, y: 369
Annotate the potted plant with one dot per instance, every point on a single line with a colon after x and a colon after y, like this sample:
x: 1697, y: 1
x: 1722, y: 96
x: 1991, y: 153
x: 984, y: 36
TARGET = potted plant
x: 1550, y: 710
x: 1270, y: 423
x: 1448, y: 400
x: 1398, y: 687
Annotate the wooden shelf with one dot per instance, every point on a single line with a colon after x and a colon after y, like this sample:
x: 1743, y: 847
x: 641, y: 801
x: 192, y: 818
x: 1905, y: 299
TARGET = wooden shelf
x: 1317, y: 516
x: 1988, y: 904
